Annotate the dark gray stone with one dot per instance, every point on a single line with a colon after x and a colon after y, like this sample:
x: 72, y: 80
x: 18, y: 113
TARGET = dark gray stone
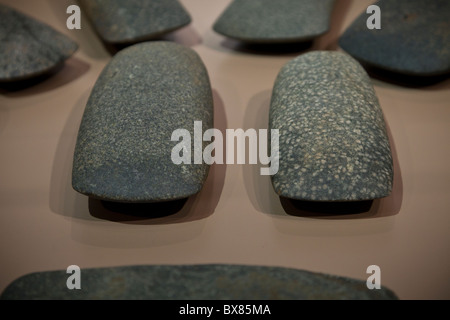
x: 193, y: 282
x: 132, y: 21
x: 123, y: 150
x: 28, y: 47
x: 268, y: 21
x: 333, y: 140
x: 414, y: 38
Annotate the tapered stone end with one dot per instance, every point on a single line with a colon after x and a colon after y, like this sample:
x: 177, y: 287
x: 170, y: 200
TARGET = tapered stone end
x: 132, y: 21
x: 29, y: 48
x: 414, y: 38
x: 267, y: 21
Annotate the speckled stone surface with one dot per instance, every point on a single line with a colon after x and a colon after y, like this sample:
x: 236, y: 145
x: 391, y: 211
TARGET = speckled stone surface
x: 28, y: 47
x: 333, y: 139
x: 123, y: 150
x: 268, y: 21
x: 132, y: 21
x: 193, y: 282
x: 414, y: 38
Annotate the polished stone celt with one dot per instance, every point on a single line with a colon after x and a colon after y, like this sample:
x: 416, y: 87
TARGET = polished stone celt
x: 28, y: 47
x: 281, y: 21
x: 193, y: 282
x: 414, y: 38
x: 124, y: 145
x: 333, y: 143
x: 132, y: 21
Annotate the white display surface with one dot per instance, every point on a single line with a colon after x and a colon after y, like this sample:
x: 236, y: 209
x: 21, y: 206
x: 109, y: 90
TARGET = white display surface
x: 237, y: 218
